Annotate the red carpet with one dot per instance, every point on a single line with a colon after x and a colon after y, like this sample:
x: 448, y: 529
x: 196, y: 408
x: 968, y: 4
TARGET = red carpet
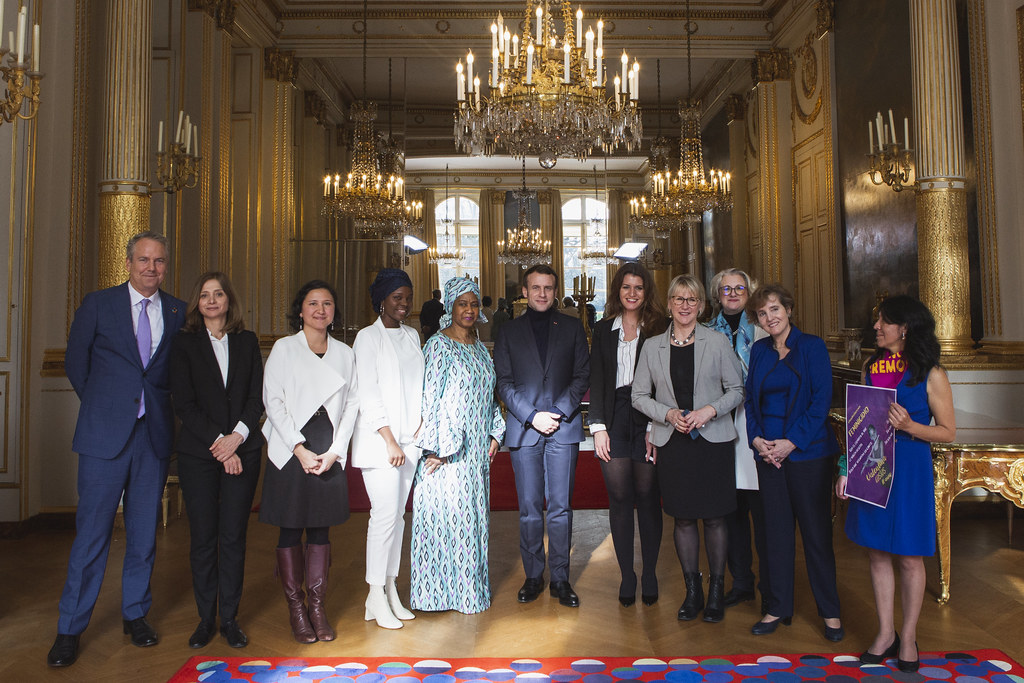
x: 589, y: 494
x: 977, y: 666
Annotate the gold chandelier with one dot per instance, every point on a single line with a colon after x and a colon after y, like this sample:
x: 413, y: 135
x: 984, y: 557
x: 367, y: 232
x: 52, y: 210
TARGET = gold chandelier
x: 679, y: 200
x: 373, y: 192
x: 446, y: 254
x: 546, y: 94
x: 523, y: 245
x: 597, y: 253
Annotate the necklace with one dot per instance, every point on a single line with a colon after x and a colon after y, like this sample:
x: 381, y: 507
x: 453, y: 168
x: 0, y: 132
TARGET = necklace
x: 686, y: 341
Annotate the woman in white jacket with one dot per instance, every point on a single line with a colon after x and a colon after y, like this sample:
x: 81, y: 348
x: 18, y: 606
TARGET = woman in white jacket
x: 309, y: 389
x: 390, y: 371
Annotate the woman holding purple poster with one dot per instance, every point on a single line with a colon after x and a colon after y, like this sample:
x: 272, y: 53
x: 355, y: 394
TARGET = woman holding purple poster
x: 907, y: 360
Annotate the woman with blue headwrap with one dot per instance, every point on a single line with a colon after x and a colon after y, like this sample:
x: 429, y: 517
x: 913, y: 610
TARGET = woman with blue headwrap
x: 462, y: 427
x: 389, y: 371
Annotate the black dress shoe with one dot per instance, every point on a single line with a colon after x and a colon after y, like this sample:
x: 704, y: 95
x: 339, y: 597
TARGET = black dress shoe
x: 763, y: 628
x: 868, y: 657
x: 233, y: 633
x: 64, y: 651
x: 735, y: 597
x: 565, y: 594
x: 203, y: 634
x: 531, y: 589
x: 141, y: 632
x: 835, y: 634
x: 909, y: 666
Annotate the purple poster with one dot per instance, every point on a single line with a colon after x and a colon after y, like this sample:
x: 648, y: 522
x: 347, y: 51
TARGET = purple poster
x: 870, y: 443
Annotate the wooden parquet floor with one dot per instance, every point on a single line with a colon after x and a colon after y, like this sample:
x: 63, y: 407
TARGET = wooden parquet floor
x: 986, y: 609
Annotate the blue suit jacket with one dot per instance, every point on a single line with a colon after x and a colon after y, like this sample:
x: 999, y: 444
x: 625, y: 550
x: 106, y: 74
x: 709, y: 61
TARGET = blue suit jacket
x: 806, y: 421
x: 527, y: 383
x: 102, y: 361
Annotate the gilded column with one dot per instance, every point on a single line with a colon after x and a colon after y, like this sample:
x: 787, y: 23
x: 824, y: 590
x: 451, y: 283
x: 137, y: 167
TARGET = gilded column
x: 941, y: 198
x: 282, y: 69
x: 124, y: 188
x: 771, y: 75
x: 736, y: 110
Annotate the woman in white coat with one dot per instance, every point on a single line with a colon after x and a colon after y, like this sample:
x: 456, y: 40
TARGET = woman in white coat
x: 309, y: 389
x: 390, y: 372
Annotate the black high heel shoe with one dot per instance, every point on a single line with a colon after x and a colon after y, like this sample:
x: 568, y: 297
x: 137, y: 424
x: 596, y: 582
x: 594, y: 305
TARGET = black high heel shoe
x: 627, y: 592
x: 763, y: 628
x: 627, y: 600
x: 909, y: 666
x: 649, y: 590
x: 868, y: 657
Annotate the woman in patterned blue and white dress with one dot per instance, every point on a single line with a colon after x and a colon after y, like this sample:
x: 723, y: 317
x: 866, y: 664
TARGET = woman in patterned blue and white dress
x: 462, y: 427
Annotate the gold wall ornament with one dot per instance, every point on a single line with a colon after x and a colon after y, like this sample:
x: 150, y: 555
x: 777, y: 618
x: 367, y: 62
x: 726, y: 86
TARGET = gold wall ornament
x: 808, y: 67
x: 315, y: 108
x: 824, y: 11
x: 280, y: 65
x: 122, y: 215
x: 943, y: 271
x: 15, y: 67
x: 223, y: 11
x: 771, y: 65
x: 735, y: 108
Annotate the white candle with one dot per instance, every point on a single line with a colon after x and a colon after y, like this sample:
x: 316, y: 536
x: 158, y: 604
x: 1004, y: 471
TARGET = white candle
x: 906, y: 134
x: 579, y: 26
x: 590, y: 48
x: 871, y: 139
x: 494, y: 37
x: 540, y: 26
x: 1, y: 19
x: 501, y: 32
x: 469, y: 70
x: 625, y: 65
x: 565, y: 49
x: 10, y: 41
x: 22, y: 19
x: 188, y: 139
x: 634, y: 92
x: 879, y: 130
x: 460, y: 82
x: 600, y: 66
x: 160, y: 137
x: 886, y: 136
x: 181, y: 117
x: 529, y: 63
x: 476, y: 89
x: 327, y: 186
x: 507, y: 52
x: 600, y: 34
x: 515, y: 48
x: 728, y: 182
x: 618, y: 82
x: 195, y: 138
x: 35, y: 47
x: 892, y: 127
x: 494, y: 68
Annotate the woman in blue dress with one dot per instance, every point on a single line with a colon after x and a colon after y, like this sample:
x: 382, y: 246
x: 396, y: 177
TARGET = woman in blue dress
x: 462, y: 427
x: 907, y: 360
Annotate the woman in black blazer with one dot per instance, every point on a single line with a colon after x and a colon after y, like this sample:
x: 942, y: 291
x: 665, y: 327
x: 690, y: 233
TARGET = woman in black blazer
x: 217, y: 390
x: 632, y: 314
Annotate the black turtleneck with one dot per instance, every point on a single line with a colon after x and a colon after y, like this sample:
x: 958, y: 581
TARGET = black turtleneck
x: 540, y: 322
x: 734, y: 323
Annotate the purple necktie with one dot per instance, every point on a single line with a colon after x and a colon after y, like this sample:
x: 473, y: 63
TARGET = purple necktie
x: 144, y: 337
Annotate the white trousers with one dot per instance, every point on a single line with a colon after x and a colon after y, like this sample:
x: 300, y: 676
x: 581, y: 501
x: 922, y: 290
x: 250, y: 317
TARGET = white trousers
x: 388, y: 488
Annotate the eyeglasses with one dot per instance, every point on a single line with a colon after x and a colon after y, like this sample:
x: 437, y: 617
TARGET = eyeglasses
x: 727, y: 290
x: 688, y: 300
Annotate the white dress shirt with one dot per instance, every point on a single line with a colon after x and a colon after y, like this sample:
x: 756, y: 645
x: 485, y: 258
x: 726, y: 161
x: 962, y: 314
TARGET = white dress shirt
x: 625, y: 364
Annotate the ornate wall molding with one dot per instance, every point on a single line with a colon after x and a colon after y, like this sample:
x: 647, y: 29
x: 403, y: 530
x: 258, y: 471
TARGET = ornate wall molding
x: 735, y: 108
x: 824, y: 11
x: 771, y: 65
x: 280, y: 65
x: 315, y: 108
x: 807, y: 60
x: 222, y: 11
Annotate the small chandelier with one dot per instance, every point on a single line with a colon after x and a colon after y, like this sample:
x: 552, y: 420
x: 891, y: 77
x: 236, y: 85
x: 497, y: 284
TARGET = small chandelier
x: 523, y: 245
x: 595, y: 255
x: 373, y: 193
x: 546, y: 95
x: 680, y: 200
x: 446, y: 254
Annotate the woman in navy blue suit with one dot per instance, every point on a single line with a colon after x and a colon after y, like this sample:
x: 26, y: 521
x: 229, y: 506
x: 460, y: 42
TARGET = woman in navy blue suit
x: 217, y: 389
x: 789, y: 390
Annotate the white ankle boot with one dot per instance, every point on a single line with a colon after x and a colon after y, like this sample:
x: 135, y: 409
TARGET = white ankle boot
x: 395, y: 602
x: 377, y: 609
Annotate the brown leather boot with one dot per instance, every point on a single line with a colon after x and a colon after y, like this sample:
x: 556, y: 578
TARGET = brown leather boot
x: 318, y: 559
x: 290, y: 567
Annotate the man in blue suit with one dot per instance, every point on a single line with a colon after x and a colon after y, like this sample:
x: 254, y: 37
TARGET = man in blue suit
x: 543, y: 368
x: 117, y: 360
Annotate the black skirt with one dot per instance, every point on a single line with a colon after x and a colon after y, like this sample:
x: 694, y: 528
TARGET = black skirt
x: 296, y: 500
x: 697, y: 477
x: 626, y: 432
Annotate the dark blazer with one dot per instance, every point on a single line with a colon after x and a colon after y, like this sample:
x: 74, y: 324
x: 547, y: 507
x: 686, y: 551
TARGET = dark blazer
x: 102, y: 362
x: 604, y: 348
x: 806, y: 422
x: 206, y: 407
x: 527, y: 383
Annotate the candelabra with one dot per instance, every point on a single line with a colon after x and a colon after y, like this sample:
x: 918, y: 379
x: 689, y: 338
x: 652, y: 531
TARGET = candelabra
x: 22, y: 83
x: 583, y: 294
x: 889, y: 163
x: 178, y: 167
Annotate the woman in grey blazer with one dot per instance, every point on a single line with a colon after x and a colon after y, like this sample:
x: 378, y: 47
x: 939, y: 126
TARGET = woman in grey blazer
x: 687, y: 381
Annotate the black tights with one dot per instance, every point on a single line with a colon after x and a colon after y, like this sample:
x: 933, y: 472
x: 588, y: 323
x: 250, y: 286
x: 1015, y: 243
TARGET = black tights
x: 631, y: 483
x: 315, y: 535
x: 716, y: 544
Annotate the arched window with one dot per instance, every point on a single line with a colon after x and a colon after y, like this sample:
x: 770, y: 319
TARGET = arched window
x: 460, y: 215
x: 584, y: 227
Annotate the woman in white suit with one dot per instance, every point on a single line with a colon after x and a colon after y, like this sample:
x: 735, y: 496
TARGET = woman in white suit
x: 390, y: 371
x: 309, y: 389
x: 688, y: 381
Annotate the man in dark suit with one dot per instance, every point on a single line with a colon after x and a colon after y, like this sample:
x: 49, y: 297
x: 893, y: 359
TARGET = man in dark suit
x: 430, y: 314
x: 543, y: 369
x: 117, y: 360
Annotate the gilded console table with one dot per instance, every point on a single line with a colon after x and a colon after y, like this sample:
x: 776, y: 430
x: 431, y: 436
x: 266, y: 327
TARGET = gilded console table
x: 997, y: 466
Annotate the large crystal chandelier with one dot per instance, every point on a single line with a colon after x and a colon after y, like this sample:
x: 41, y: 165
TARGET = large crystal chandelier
x: 373, y: 191
x: 523, y: 245
x: 546, y: 94
x: 597, y: 252
x: 446, y: 254
x: 675, y: 201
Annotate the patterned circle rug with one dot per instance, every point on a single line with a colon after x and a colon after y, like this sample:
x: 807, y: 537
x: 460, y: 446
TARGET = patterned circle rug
x: 976, y: 666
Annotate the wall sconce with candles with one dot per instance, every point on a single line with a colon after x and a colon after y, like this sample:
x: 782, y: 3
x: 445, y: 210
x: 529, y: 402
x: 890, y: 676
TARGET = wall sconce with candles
x: 13, y: 67
x: 889, y: 163
x: 178, y: 167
